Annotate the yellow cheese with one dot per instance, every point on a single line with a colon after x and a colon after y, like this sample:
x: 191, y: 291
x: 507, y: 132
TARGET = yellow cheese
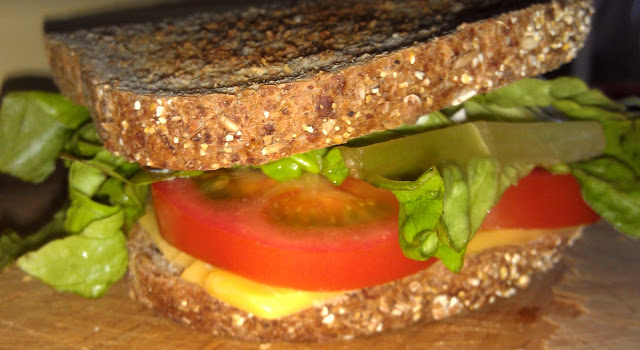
x: 197, y: 272
x: 275, y: 302
x: 260, y: 299
x: 484, y: 240
x: 183, y: 259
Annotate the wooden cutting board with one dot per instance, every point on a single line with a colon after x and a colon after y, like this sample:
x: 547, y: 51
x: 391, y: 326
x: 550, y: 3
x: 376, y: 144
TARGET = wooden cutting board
x: 592, y: 301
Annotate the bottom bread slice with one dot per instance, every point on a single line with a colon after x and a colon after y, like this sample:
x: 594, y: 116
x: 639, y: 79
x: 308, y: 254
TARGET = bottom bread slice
x: 431, y: 294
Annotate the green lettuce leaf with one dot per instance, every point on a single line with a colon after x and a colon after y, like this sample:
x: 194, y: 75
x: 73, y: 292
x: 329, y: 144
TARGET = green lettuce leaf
x: 487, y: 182
x: 83, y: 249
x: 333, y: 167
x: 12, y: 245
x: 623, y: 141
x: 84, y: 143
x: 131, y: 198
x: 613, y: 190
x: 292, y: 167
x: 421, y: 205
x: 94, y: 255
x: 326, y: 162
x: 101, y: 209
x: 149, y: 176
x: 102, y: 206
x: 84, y: 210
x: 483, y: 189
x: 522, y: 101
x: 602, y: 179
x: 452, y: 259
x: 86, y: 263
x: 34, y: 128
x: 442, y: 209
x: 456, y: 212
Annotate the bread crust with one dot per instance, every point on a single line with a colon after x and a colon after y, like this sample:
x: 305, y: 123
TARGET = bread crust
x: 169, y: 112
x: 431, y: 294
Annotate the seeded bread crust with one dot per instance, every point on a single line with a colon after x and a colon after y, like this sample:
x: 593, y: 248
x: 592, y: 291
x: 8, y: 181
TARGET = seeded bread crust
x: 216, y: 90
x: 432, y: 294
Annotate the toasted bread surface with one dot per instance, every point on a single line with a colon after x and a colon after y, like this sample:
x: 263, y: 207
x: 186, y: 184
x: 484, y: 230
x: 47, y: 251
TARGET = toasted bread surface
x: 431, y: 294
x: 239, y: 88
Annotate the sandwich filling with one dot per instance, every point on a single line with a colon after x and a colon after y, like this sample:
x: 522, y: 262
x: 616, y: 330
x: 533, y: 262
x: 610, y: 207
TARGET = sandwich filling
x: 272, y: 302
x: 553, y: 201
x: 431, y: 186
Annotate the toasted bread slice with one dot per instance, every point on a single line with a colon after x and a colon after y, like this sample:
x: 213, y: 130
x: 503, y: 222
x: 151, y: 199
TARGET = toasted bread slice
x: 431, y: 294
x: 238, y: 88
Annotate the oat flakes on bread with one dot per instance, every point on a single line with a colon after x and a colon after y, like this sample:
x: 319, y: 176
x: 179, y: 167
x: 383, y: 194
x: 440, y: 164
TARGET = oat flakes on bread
x: 216, y: 90
x: 431, y: 294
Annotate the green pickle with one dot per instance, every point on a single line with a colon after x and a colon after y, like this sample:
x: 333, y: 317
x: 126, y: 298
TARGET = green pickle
x: 542, y: 144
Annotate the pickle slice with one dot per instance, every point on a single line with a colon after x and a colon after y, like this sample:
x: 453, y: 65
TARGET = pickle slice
x: 539, y: 143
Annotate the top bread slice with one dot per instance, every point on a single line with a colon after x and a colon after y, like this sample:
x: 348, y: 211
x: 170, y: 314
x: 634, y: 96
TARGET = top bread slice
x: 246, y: 87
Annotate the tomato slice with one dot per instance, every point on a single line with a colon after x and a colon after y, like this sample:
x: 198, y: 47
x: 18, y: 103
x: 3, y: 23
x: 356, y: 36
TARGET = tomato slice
x: 270, y: 233
x: 310, y: 235
x: 540, y: 200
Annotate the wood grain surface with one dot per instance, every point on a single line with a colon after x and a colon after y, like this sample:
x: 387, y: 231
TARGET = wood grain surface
x: 591, y: 301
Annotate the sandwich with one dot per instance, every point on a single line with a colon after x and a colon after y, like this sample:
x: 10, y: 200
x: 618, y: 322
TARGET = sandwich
x: 325, y: 170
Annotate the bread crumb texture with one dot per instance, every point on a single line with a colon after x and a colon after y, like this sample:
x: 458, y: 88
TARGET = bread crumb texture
x: 282, y: 81
x: 432, y: 294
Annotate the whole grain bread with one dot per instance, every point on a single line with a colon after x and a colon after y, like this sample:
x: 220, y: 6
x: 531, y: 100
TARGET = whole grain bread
x: 246, y: 87
x: 431, y: 294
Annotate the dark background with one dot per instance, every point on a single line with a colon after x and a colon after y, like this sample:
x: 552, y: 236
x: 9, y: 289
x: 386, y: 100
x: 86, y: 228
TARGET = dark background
x: 611, y: 58
x: 610, y: 61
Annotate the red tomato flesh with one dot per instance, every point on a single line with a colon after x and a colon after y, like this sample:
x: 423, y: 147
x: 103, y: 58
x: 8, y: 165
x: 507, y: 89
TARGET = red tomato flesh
x: 259, y: 236
x: 540, y: 200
